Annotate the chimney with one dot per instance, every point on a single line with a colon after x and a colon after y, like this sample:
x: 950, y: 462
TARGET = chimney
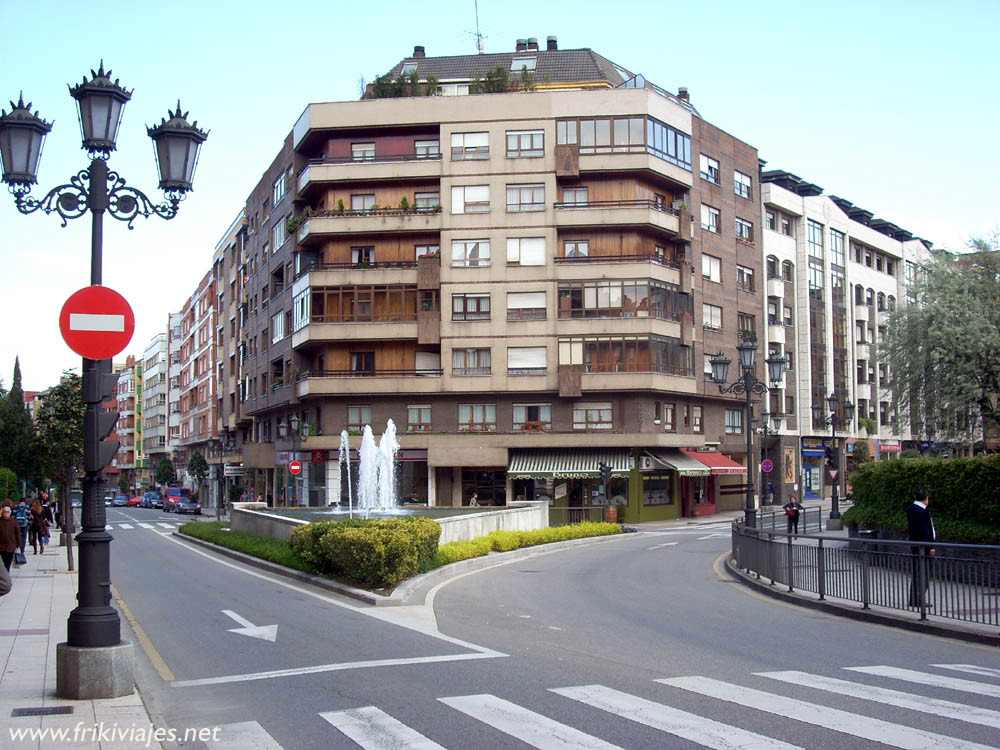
x: 551, y: 43
x: 418, y: 51
x: 533, y: 44
x: 521, y: 45
x: 682, y: 94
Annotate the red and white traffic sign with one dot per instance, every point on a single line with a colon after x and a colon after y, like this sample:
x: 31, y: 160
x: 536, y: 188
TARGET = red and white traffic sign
x: 833, y: 474
x: 766, y: 465
x: 295, y: 467
x: 96, y: 322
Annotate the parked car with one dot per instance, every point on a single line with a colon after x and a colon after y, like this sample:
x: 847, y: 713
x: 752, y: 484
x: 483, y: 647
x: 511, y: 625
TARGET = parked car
x: 108, y: 500
x: 173, y: 495
x: 150, y: 499
x: 187, y: 505
x: 135, y: 502
x: 120, y: 501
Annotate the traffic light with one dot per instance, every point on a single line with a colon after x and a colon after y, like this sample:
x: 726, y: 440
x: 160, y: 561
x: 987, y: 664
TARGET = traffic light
x: 831, y: 457
x: 98, y: 386
x: 605, y: 471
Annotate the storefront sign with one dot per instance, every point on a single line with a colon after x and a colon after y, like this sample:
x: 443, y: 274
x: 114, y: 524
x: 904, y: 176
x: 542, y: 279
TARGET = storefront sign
x: 317, y: 457
x: 888, y: 446
x: 231, y: 470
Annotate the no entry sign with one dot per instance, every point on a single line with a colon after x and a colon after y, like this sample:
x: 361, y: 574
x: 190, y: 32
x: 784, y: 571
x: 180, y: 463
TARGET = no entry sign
x: 295, y: 467
x: 96, y: 322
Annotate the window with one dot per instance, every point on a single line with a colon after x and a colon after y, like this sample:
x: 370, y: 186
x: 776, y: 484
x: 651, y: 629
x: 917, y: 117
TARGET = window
x: 363, y: 256
x: 532, y: 417
x: 770, y: 220
x: 669, y: 417
x: 837, y: 245
x: 787, y: 313
x: 470, y: 146
x: 362, y: 201
x: 814, y: 238
x: 522, y: 198
x: 525, y: 305
x: 576, y: 249
x: 470, y: 307
x: 470, y: 253
x: 741, y: 185
x: 709, y: 218
x: 470, y: 199
x: 666, y: 143
x: 525, y: 63
x: 277, y: 327
x: 746, y: 324
x: 786, y: 226
x: 527, y: 360
x: 470, y: 362
x: 709, y: 169
x: 427, y: 149
x: 525, y: 251
x: 786, y: 270
x: 525, y: 143
x: 734, y: 421
x: 711, y: 316
x: 422, y: 250
x: 711, y: 268
x: 592, y: 416
x: 744, y: 230
x: 744, y: 278
x: 426, y: 201
x: 409, y: 68
x: 477, y: 417
x: 772, y: 311
x: 358, y: 417
x: 363, y: 363
x: 868, y: 257
x: 878, y: 262
x: 363, y: 151
x: 697, y: 424
x: 579, y: 196
x: 418, y: 418
x: 278, y: 235
x: 279, y: 188
x: 771, y: 266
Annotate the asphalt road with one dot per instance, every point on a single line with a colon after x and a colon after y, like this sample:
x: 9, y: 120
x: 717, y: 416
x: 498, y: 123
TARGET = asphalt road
x: 557, y: 650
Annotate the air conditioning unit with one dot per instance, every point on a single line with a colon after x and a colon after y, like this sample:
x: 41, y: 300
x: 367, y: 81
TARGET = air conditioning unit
x: 646, y: 463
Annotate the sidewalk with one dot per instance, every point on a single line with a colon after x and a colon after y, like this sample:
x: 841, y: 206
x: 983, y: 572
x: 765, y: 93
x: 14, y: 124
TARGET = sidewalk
x: 32, y: 621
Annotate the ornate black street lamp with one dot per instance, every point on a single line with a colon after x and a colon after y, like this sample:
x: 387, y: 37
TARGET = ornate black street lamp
x: 838, y: 420
x: 747, y: 384
x: 100, y: 101
x: 766, y: 432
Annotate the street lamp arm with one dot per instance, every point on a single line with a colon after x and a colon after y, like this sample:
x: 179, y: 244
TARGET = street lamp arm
x: 126, y: 203
x: 69, y: 200
x: 741, y: 386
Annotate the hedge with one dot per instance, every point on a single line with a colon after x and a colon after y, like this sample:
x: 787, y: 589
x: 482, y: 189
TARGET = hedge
x: 274, y: 550
x: 964, y: 496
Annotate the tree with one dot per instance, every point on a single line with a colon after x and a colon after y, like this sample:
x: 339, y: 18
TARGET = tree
x: 198, y: 466
x: 60, y: 440
x: 165, y: 473
x: 123, y: 484
x: 8, y: 485
x: 17, y: 432
x: 496, y: 81
x: 860, y: 455
x: 943, y: 349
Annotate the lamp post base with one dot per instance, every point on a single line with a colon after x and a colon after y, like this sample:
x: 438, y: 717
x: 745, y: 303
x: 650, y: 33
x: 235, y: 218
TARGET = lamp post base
x: 834, y: 524
x: 94, y: 672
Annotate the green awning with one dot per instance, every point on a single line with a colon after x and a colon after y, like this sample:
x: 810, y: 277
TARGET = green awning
x: 567, y: 463
x: 683, y: 464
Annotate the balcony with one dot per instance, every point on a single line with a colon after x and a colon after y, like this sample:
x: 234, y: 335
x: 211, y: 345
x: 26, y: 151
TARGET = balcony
x: 775, y: 287
x: 366, y: 328
x: 619, y: 213
x: 679, y: 380
x: 883, y: 317
x: 347, y: 274
x: 321, y: 224
x: 346, y: 382
x: 863, y: 350
x: 776, y: 333
x: 347, y: 168
x: 581, y: 267
x: 862, y: 312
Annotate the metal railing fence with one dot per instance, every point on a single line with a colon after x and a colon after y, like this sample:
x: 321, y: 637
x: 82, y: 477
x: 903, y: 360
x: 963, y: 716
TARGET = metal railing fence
x: 960, y: 581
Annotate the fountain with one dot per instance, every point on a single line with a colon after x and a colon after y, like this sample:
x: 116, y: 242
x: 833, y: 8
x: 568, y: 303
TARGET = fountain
x: 376, y: 472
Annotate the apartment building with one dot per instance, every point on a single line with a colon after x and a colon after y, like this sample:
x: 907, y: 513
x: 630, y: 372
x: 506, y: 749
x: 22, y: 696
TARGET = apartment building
x: 513, y: 279
x: 834, y: 273
x: 154, y: 405
x: 129, y: 421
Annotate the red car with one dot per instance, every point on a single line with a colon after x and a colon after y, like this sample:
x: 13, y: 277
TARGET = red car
x: 134, y: 501
x: 173, y: 495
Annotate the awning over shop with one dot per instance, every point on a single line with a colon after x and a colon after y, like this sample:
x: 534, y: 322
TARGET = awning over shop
x: 683, y: 464
x: 718, y: 463
x: 567, y: 463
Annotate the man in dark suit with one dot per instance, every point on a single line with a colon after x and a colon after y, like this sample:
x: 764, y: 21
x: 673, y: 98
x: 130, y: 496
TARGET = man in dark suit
x: 920, y: 528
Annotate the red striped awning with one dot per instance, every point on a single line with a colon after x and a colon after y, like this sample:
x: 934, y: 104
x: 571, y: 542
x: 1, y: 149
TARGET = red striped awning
x: 718, y: 463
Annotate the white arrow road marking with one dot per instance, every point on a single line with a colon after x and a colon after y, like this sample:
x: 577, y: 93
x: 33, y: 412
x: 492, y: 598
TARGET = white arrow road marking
x: 264, y: 632
x: 95, y: 322
x: 666, y: 544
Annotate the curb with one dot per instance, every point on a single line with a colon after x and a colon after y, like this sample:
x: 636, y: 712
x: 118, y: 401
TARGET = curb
x: 925, y: 627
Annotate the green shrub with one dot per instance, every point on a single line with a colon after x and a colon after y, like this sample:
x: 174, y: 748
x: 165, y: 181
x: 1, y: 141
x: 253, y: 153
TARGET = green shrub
x: 964, y: 493
x: 274, y: 550
x: 376, y: 555
x: 456, y: 551
x: 505, y: 541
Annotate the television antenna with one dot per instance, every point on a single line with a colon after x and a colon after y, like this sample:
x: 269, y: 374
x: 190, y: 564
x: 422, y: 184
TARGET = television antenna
x: 480, y: 48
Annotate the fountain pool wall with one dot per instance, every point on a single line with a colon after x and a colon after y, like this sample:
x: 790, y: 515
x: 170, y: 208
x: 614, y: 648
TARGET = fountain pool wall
x: 256, y: 519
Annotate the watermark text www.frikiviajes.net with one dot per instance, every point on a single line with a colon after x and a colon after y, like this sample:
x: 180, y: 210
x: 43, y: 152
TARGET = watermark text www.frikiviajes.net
x: 135, y: 735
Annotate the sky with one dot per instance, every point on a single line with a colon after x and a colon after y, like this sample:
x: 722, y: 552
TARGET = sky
x: 890, y: 105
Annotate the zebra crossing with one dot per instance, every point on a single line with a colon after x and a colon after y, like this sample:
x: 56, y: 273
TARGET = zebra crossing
x: 372, y: 728
x: 155, y: 525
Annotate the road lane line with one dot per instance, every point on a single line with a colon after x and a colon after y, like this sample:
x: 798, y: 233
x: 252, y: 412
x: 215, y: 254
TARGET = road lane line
x: 531, y: 728
x: 124, y: 526
x: 165, y: 525
x: 243, y: 735
x: 146, y: 525
x: 341, y: 667
x: 665, y: 544
x: 936, y: 706
x: 934, y: 680
x: 857, y: 725
x: 374, y: 729
x: 971, y: 669
x: 688, y: 726
x: 147, y: 645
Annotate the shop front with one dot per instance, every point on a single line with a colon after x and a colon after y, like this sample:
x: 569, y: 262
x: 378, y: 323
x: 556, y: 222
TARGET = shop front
x: 726, y: 487
x: 571, y: 479
x: 672, y: 485
x: 813, y: 458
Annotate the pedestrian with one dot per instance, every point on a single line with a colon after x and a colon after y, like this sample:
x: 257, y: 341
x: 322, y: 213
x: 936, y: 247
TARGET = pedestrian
x: 920, y: 528
x: 474, y: 500
x: 770, y: 493
x: 792, y: 510
x: 10, y: 536
x: 5, y: 582
x: 39, y: 527
x: 22, y: 515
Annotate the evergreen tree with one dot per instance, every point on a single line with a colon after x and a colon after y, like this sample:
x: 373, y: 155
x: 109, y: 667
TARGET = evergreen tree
x: 17, y: 432
x: 198, y: 466
x: 165, y: 473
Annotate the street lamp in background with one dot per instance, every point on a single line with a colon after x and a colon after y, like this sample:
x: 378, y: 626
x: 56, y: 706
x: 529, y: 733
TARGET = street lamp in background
x: 747, y: 384
x: 94, y: 663
x: 837, y: 420
x: 766, y: 432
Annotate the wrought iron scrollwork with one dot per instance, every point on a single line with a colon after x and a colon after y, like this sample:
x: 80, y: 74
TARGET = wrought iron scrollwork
x: 742, y: 386
x: 126, y: 203
x: 69, y: 201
